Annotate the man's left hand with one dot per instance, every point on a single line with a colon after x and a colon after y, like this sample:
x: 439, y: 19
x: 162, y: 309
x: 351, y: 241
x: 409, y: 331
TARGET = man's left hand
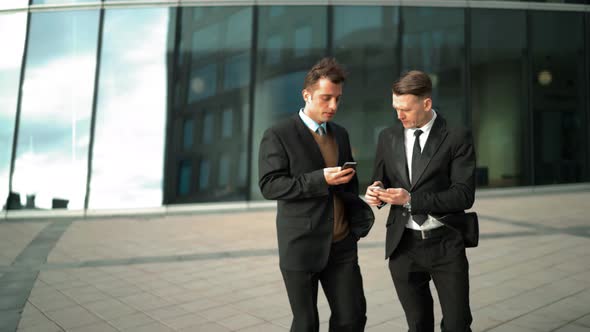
x: 394, y: 196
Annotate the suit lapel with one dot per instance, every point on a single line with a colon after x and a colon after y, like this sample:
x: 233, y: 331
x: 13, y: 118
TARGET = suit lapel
x: 437, y: 135
x: 399, y: 154
x: 315, y: 155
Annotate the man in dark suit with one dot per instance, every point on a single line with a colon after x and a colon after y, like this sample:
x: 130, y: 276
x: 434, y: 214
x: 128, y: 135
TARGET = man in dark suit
x: 425, y: 170
x: 319, y: 214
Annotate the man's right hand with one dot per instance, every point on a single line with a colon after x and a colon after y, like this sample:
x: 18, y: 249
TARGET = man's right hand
x: 335, y: 176
x: 371, y: 194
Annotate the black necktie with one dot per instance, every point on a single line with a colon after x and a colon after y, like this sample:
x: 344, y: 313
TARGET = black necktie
x: 416, y: 153
x: 321, y: 131
x: 416, y: 160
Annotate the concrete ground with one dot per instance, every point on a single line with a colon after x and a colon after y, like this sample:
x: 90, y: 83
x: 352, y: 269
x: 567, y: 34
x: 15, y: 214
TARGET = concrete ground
x: 219, y: 271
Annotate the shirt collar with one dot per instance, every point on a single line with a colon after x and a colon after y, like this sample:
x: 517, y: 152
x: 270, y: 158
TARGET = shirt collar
x: 309, y: 122
x: 425, y: 128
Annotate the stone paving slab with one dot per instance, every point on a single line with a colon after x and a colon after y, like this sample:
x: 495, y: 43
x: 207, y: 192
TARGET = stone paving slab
x: 219, y: 272
x: 15, y: 237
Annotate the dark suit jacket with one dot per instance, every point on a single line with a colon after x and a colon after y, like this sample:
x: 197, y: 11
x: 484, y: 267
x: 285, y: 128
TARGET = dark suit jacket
x: 291, y: 171
x: 446, y: 181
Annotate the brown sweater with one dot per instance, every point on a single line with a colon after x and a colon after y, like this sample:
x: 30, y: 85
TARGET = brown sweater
x: 329, y: 149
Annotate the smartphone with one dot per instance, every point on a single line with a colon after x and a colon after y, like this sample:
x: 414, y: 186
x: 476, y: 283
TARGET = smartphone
x: 376, y: 188
x: 349, y: 164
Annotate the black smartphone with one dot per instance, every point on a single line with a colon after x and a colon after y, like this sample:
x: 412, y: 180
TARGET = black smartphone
x: 349, y: 164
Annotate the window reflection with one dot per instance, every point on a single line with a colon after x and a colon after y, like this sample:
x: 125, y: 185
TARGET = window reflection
x: 558, y: 90
x: 372, y: 65
x: 59, y: 2
x: 8, y: 4
x: 52, y: 151
x: 286, y: 51
x: 216, y: 73
x: 499, y: 106
x: 128, y: 154
x: 433, y: 41
x: 184, y: 177
x: 12, y: 39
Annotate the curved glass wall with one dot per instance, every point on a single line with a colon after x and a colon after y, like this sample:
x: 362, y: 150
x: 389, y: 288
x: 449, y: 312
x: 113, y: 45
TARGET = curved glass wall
x: 433, y: 40
x: 9, y: 4
x: 54, y: 129
x: 12, y: 38
x: 499, y: 97
x: 207, y: 146
x: 290, y: 40
x: 559, y: 86
x: 372, y: 65
x: 183, y: 94
x: 128, y: 154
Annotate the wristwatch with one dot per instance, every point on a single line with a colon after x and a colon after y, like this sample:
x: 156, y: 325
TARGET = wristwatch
x: 408, y: 204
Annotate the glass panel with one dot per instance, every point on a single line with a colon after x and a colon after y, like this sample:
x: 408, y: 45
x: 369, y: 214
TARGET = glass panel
x: 498, y: 97
x: 187, y: 134
x: 227, y: 123
x: 208, y: 127
x: 203, y: 83
x: 237, y: 72
x: 559, y: 88
x: 184, y: 178
x: 224, y: 169
x: 286, y: 51
x: 52, y: 151
x: 9, y: 4
x: 216, y: 76
x: 59, y: 2
x: 372, y: 65
x: 547, y: 1
x: 12, y: 39
x: 128, y: 152
x: 204, y: 174
x: 433, y: 41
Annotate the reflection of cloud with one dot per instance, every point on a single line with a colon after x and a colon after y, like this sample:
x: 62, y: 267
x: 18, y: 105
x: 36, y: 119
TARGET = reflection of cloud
x: 60, y: 90
x: 51, y: 175
x: 10, y: 4
x: 128, y: 155
x: 54, y: 130
x: 12, y: 39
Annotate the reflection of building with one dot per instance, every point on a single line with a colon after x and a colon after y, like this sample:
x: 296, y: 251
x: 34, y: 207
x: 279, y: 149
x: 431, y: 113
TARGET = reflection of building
x: 148, y: 105
x: 207, y: 142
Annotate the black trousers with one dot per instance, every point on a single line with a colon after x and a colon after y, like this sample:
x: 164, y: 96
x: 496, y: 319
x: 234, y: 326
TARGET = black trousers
x: 343, y: 285
x: 414, y: 263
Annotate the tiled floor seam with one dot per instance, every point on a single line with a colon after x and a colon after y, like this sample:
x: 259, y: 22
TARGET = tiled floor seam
x: 44, y: 315
x: 531, y: 311
x: 35, y: 253
x: 527, y: 259
x: 570, y: 322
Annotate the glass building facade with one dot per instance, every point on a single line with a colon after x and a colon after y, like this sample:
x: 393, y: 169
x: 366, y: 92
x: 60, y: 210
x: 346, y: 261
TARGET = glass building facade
x: 139, y: 104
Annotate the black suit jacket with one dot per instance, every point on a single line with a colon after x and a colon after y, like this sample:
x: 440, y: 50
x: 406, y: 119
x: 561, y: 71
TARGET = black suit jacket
x: 291, y: 171
x: 445, y: 183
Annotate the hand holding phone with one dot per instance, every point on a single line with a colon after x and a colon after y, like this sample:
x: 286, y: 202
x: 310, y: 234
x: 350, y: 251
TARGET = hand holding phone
x: 349, y: 164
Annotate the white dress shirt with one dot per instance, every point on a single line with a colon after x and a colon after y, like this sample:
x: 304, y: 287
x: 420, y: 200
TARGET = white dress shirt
x: 430, y: 223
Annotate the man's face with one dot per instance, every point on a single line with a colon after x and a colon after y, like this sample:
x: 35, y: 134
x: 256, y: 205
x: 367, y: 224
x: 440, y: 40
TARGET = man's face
x: 321, y: 100
x: 412, y: 111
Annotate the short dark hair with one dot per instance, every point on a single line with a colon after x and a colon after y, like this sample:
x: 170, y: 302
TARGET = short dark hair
x: 328, y: 68
x: 413, y: 82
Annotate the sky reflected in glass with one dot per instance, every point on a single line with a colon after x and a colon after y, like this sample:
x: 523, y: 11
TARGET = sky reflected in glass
x: 8, y: 4
x: 128, y: 156
x: 12, y: 40
x: 52, y: 148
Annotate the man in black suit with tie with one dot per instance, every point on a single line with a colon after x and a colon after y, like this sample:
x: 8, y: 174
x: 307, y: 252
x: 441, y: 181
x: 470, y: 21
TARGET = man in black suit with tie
x: 319, y: 214
x: 425, y: 170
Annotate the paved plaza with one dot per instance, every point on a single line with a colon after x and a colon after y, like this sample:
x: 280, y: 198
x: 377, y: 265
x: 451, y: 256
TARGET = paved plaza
x: 218, y: 271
